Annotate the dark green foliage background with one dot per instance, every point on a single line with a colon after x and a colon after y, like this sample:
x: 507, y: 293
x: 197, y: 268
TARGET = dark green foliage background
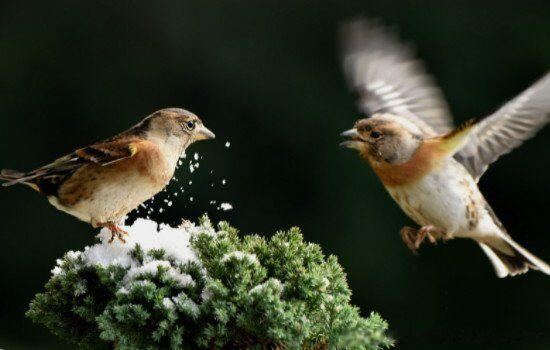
x: 265, y: 75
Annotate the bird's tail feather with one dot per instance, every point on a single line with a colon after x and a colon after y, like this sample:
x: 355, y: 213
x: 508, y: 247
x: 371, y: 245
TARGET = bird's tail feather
x: 13, y: 177
x: 10, y: 175
x: 517, y: 262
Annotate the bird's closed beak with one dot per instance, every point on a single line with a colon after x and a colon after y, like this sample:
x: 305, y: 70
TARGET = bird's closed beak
x: 203, y: 133
x: 353, y: 135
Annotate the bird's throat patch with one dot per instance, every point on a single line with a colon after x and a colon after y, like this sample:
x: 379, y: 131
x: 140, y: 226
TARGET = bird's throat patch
x: 425, y: 160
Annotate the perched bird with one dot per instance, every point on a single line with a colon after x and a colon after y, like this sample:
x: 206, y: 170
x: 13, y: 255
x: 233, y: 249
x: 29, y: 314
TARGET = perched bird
x: 430, y: 169
x: 103, y: 182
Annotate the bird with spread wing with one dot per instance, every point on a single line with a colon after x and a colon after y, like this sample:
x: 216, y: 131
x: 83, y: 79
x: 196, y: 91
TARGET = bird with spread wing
x: 430, y: 168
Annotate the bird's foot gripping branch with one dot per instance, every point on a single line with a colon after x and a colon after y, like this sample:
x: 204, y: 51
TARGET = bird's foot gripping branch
x: 196, y: 287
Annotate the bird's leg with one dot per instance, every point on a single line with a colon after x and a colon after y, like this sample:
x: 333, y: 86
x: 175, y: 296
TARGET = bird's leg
x: 413, y: 238
x: 115, y: 231
x: 433, y: 233
x: 118, y: 232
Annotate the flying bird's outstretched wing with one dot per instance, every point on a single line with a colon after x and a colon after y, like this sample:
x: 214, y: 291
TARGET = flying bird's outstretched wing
x: 389, y: 79
x: 507, y: 128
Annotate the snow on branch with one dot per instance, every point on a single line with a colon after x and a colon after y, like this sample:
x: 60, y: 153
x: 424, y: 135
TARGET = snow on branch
x: 197, y: 287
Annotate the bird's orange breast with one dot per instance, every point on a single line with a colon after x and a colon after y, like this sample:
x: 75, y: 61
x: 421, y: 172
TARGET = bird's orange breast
x: 424, y: 160
x: 148, y: 161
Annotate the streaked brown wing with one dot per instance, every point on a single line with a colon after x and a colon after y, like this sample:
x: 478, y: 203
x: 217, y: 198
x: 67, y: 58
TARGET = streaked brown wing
x: 507, y: 128
x: 389, y: 79
x: 49, y: 177
x: 108, y: 152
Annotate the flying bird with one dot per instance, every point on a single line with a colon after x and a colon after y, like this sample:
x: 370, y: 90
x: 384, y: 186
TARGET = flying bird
x: 430, y: 168
x: 104, y: 181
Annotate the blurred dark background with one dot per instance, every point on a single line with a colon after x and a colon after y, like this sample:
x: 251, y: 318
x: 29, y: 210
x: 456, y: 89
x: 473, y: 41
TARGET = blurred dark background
x: 265, y: 76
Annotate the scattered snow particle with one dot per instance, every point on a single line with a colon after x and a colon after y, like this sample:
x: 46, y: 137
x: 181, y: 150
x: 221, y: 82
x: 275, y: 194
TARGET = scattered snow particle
x: 190, y: 199
x: 226, y: 206
x: 170, y: 203
x: 190, y: 182
x: 227, y: 144
x: 224, y: 182
x: 196, y: 156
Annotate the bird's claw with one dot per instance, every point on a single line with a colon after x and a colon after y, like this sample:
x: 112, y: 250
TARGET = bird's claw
x: 116, y: 232
x: 409, y: 234
x: 413, y: 238
x: 118, y: 235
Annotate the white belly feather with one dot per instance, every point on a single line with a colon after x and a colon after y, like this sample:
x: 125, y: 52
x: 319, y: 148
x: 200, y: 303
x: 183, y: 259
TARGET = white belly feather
x: 448, y: 199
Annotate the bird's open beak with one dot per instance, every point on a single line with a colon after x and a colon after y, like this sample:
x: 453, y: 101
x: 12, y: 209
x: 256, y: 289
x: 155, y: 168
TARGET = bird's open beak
x: 351, y: 133
x: 354, y: 138
x: 203, y: 133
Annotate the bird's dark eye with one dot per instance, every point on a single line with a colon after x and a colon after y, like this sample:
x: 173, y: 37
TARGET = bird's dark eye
x: 375, y: 134
x: 190, y: 125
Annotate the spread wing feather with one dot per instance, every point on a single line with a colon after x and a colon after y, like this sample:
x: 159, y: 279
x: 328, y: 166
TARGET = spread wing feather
x: 507, y: 128
x: 389, y: 79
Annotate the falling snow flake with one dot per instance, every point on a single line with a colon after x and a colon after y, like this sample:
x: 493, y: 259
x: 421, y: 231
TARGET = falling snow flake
x: 225, y: 206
